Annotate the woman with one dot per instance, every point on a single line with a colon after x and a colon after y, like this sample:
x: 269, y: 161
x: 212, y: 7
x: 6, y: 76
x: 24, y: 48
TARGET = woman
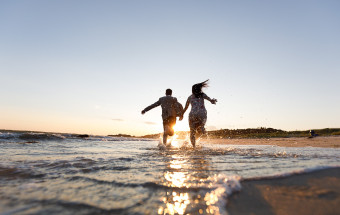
x: 198, y: 113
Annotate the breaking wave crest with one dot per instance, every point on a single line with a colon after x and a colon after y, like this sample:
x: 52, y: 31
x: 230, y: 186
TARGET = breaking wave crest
x: 31, y: 137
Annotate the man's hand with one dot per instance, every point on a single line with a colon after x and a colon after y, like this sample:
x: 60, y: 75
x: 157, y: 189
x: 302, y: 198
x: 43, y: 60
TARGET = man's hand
x: 143, y: 111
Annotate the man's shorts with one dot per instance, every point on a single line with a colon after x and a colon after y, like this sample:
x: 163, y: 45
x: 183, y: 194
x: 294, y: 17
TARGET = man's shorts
x: 170, y: 121
x: 168, y: 125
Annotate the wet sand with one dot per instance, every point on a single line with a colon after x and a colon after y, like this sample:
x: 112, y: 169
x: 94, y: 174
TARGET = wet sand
x: 310, y: 193
x: 328, y: 141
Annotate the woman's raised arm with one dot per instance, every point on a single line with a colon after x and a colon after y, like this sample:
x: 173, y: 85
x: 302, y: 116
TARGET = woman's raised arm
x: 213, y: 101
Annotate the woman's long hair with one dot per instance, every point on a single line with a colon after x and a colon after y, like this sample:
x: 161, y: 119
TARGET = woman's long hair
x: 197, y: 88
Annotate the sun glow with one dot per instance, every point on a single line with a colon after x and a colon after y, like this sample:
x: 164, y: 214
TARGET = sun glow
x: 178, y: 140
x: 182, y: 126
x: 174, y: 141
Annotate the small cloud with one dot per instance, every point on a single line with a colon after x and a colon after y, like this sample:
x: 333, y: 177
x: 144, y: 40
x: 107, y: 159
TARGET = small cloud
x: 119, y: 120
x: 150, y: 123
x: 97, y: 107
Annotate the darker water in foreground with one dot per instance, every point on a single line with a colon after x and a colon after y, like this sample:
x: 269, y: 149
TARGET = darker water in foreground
x: 61, y: 174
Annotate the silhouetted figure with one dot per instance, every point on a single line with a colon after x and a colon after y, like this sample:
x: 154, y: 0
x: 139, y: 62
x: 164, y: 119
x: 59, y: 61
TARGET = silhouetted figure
x: 312, y: 134
x: 170, y: 110
x: 198, y: 113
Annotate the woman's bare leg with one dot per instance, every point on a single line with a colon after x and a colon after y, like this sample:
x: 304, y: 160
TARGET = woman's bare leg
x: 193, y: 137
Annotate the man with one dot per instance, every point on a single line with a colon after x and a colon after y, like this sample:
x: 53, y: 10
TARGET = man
x: 170, y: 110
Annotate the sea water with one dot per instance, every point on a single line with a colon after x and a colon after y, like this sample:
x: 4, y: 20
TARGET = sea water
x: 44, y: 173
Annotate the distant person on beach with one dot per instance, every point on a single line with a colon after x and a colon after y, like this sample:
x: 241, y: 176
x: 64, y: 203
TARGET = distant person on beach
x: 198, y: 113
x: 170, y: 110
x: 312, y: 134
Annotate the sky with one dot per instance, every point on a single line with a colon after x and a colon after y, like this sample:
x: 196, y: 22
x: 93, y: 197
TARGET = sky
x: 91, y: 66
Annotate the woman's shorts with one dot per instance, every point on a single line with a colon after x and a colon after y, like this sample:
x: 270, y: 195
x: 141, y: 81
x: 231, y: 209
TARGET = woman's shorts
x: 197, y: 120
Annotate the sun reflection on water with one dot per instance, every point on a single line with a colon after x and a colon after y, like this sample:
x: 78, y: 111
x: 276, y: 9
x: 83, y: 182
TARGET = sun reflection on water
x: 185, y: 178
x: 176, y: 203
x: 176, y: 179
x: 174, y: 141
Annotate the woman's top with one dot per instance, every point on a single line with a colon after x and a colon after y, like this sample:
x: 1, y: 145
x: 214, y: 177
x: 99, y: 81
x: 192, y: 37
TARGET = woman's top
x: 197, y: 104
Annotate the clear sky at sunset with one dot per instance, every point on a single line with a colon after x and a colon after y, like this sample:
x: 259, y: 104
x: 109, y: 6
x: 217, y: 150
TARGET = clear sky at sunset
x: 92, y: 66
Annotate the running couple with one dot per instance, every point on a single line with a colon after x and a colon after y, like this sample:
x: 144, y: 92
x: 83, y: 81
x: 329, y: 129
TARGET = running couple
x: 172, y: 109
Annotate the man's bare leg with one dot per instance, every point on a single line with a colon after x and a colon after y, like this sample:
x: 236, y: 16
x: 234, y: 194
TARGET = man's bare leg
x: 165, y: 133
x: 171, y: 131
x: 165, y: 137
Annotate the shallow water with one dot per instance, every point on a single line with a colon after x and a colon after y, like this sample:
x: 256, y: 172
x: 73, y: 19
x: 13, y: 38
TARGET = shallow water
x: 63, y: 174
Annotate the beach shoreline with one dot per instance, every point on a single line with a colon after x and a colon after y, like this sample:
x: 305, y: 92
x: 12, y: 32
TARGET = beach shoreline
x: 320, y: 141
x: 316, y: 192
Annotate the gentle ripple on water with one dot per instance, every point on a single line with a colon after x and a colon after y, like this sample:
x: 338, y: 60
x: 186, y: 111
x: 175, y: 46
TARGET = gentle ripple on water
x: 70, y: 176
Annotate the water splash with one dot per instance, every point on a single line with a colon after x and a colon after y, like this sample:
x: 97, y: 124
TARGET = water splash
x: 174, y: 142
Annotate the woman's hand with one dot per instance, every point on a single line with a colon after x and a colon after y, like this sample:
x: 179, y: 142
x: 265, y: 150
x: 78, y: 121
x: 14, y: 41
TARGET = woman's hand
x: 213, y: 101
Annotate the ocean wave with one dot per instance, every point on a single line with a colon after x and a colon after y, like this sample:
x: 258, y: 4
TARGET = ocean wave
x: 80, y: 165
x: 41, y: 136
x: 8, y: 135
x: 18, y: 173
x: 115, y: 183
x: 17, y: 136
x: 30, y: 136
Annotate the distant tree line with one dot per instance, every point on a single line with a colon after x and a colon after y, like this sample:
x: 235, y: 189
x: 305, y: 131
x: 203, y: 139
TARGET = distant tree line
x: 257, y: 133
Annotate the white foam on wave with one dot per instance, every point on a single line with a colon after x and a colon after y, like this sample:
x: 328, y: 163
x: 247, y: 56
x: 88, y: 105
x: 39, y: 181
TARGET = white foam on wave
x: 224, y: 186
x: 8, y: 135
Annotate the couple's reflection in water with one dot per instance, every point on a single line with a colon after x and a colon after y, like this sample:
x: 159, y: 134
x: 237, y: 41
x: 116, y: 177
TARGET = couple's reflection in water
x: 187, y: 178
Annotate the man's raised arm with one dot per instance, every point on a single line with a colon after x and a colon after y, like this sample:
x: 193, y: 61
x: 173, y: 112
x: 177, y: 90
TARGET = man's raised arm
x: 151, y: 106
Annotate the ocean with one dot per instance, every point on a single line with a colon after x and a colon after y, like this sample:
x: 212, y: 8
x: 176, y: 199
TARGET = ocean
x: 47, y: 173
